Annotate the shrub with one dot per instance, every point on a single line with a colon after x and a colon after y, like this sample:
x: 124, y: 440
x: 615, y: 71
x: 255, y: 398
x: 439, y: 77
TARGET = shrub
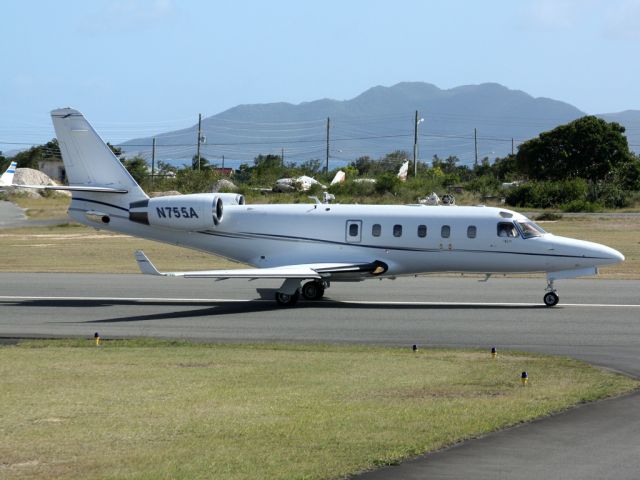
x: 549, y: 216
x: 387, y: 182
x: 581, y: 206
x: 611, y: 195
x: 548, y: 194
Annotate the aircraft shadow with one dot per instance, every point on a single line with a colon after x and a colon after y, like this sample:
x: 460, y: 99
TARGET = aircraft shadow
x: 214, y: 308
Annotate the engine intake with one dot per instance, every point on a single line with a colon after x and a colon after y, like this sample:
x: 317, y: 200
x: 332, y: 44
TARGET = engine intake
x: 199, y: 211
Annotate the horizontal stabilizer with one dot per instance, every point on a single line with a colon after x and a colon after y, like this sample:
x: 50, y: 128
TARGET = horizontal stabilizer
x: 74, y: 188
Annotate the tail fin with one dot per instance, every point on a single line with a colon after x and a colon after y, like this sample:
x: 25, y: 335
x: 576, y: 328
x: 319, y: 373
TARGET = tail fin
x: 88, y: 161
x: 7, y: 177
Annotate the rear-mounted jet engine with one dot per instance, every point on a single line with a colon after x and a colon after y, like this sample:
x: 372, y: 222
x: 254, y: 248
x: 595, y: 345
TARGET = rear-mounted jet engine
x: 198, y: 211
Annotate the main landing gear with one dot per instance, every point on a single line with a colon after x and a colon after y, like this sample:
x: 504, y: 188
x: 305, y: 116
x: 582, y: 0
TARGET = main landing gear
x: 286, y: 300
x: 550, y: 298
x: 313, y: 290
x: 290, y: 292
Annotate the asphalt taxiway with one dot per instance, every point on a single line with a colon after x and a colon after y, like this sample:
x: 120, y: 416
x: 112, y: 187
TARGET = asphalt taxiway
x: 596, y: 320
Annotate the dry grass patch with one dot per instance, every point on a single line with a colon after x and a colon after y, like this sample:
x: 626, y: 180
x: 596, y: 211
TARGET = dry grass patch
x: 152, y: 409
x: 76, y: 248
x: 51, y: 207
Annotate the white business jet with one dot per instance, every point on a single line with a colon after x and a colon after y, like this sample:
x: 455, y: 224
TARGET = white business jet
x: 310, y: 246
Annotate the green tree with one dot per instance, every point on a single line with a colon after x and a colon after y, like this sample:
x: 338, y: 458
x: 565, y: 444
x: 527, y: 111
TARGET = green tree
x: 204, y: 163
x: 137, y: 167
x: 311, y: 167
x: 505, y: 168
x: 268, y: 166
x: 117, y: 151
x: 364, y: 165
x: 30, y: 158
x: 165, y: 168
x: 387, y: 182
x: 588, y: 148
x: 392, y: 162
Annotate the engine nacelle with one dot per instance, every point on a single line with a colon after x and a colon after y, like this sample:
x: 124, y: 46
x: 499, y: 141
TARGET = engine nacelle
x: 231, y: 198
x: 199, y: 211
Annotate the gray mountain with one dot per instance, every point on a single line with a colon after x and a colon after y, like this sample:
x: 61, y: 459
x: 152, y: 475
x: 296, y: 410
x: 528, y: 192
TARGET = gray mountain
x: 378, y: 121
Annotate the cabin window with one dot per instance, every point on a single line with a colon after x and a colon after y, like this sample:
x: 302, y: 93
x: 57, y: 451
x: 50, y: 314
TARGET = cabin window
x: 472, y: 231
x: 422, y: 231
x: 445, y: 231
x: 353, y: 230
x: 507, y: 229
x: 376, y: 230
x: 397, y: 230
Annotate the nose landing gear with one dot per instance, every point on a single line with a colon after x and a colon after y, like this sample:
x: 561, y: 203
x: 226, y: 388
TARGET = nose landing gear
x: 550, y: 298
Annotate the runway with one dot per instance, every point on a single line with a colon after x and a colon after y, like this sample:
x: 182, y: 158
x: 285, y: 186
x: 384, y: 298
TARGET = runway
x: 596, y: 321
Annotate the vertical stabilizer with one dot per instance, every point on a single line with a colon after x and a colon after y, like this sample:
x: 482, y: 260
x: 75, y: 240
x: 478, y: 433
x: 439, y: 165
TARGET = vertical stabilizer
x: 88, y: 161
x: 7, y: 177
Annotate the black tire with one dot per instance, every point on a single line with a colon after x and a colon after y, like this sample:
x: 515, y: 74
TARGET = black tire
x: 286, y: 300
x: 551, y: 299
x: 313, y: 290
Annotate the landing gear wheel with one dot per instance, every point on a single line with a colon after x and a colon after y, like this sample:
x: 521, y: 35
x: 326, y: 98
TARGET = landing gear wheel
x: 286, y: 300
x: 550, y: 299
x: 313, y: 290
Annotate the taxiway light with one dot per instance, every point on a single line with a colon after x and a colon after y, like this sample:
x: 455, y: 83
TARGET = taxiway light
x: 494, y: 352
x: 414, y: 348
x: 97, y: 337
x: 524, y: 378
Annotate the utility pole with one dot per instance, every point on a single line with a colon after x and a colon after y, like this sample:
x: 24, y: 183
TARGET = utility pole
x: 223, y: 162
x: 475, y: 144
x: 326, y: 168
x: 282, y: 156
x: 153, y: 160
x: 415, y: 146
x: 199, y: 138
x: 511, y: 145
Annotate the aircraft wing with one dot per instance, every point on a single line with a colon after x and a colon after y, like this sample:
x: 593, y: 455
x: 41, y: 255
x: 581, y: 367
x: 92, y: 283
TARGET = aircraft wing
x: 308, y: 271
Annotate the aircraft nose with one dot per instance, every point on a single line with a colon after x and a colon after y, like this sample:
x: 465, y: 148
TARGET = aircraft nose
x: 611, y: 253
x: 618, y: 256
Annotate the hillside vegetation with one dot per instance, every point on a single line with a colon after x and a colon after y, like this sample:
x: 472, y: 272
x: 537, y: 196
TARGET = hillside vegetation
x: 585, y: 165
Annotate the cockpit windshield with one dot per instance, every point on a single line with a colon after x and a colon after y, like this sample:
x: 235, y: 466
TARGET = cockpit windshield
x: 530, y: 229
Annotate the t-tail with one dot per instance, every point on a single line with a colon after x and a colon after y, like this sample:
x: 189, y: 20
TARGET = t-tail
x: 7, y: 177
x: 101, y: 186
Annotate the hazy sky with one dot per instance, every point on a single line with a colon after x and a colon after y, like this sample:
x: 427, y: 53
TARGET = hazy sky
x: 142, y: 67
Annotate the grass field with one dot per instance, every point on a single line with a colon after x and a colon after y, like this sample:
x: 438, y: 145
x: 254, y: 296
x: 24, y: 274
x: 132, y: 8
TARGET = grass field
x: 51, y: 207
x: 76, y: 248
x: 144, y: 409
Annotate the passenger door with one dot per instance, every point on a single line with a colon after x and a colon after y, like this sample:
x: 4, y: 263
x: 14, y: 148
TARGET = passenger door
x: 354, y: 231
